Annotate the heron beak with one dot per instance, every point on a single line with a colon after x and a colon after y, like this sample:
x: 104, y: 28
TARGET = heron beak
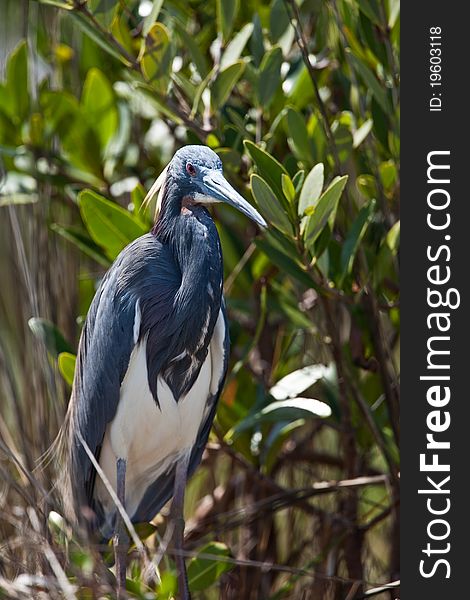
x: 218, y: 189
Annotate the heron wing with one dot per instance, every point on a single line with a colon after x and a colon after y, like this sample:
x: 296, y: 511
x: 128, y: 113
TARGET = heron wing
x: 108, y: 338
x: 105, y: 347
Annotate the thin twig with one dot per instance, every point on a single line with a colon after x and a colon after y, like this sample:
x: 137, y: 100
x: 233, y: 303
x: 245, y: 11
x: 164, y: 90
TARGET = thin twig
x: 385, y: 362
x: 114, y: 497
x: 268, y: 566
x: 286, y: 498
x: 239, y: 267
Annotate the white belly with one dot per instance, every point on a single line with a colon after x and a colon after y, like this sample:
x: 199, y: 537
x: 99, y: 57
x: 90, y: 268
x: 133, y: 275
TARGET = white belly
x: 149, y: 437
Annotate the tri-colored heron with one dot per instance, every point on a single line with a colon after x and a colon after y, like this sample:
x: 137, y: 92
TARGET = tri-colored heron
x: 153, y: 356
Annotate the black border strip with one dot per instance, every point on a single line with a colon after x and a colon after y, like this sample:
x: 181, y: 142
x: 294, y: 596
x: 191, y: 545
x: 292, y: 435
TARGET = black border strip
x: 424, y: 131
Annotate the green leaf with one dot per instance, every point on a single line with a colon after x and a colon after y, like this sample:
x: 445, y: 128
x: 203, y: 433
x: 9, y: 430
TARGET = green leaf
x: 104, y: 10
x: 387, y: 252
x: 36, y: 129
x: 343, y: 140
x: 225, y: 82
x: 317, y: 134
x: 10, y: 137
x: 269, y: 76
x: 237, y: 120
x: 392, y: 239
x: 226, y: 13
x: 168, y: 586
x: 236, y: 46
x: 257, y: 41
x: 144, y: 530
x: 288, y: 188
x: 278, y: 19
x: 284, y: 262
x: 121, y: 31
x: 287, y: 40
x: 100, y: 6
x: 371, y: 82
x: 299, y: 141
x: 287, y: 303
x: 394, y: 12
x: 325, y: 208
x: 374, y: 49
x: 83, y: 242
x: 155, y: 101
x: 187, y: 88
x: 301, y: 91
x: 298, y: 381
x: 269, y: 205
x: 268, y: 167
x: 388, y: 174
x: 282, y: 242
x: 99, y: 39
x: 50, y: 335
x: 99, y: 105
x: 197, y: 57
x: 354, y: 237
x: 137, y: 198
x: 279, y: 434
x: 288, y: 410
x: 60, y: 109
x: 371, y: 9
x: 298, y: 180
x: 66, y: 361
x: 81, y: 144
x: 311, y: 189
x: 204, y: 572
x: 151, y: 17
x: 14, y: 95
x: 109, y: 225
x: 362, y: 132
x: 155, y: 58
x: 367, y: 185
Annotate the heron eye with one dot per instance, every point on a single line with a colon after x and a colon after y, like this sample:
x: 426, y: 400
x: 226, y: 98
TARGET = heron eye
x: 191, y: 169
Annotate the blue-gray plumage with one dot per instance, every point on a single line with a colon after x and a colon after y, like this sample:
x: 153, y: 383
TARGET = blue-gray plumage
x: 153, y: 353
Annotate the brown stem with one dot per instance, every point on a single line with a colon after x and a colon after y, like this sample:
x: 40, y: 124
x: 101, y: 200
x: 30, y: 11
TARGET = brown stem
x: 354, y: 540
x: 381, y: 349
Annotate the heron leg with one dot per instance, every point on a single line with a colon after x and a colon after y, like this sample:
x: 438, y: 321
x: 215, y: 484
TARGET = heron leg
x: 177, y: 514
x: 121, y: 536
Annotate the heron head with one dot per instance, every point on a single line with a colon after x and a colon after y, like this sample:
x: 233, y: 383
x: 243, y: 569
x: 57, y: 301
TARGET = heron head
x: 197, y: 172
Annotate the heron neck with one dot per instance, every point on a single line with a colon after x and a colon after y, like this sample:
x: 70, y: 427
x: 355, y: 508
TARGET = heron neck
x: 170, y: 209
x: 191, y: 234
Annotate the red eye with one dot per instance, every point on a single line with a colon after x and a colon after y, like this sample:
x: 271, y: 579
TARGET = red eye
x: 191, y: 169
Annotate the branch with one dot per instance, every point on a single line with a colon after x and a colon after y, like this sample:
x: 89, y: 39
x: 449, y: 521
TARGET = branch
x: 283, y: 499
x: 293, y: 10
x: 201, y: 132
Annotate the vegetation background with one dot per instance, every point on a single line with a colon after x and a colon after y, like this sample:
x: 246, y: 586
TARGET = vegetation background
x: 298, y: 493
